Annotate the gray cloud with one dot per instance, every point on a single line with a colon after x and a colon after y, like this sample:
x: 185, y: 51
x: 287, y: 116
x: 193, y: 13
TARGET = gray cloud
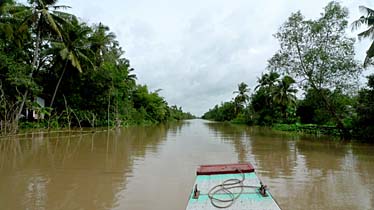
x: 198, y: 51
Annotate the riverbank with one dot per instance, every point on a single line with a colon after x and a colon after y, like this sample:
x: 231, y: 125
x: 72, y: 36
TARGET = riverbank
x: 308, y: 128
x: 53, y: 126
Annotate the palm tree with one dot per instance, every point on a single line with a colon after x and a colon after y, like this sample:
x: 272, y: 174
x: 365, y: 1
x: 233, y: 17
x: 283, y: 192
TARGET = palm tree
x: 368, y: 20
x: 74, y: 50
x: 284, y: 94
x: 242, y: 97
x: 267, y: 80
x: 9, y: 24
x: 101, y: 42
x: 266, y: 84
x: 45, y: 19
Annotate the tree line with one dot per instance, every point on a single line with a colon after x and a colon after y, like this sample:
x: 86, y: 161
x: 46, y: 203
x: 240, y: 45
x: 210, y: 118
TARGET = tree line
x: 316, y: 59
x: 57, y: 71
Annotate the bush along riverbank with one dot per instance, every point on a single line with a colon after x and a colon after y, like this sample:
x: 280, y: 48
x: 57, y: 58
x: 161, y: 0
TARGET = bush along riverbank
x: 308, y: 128
x: 330, y: 102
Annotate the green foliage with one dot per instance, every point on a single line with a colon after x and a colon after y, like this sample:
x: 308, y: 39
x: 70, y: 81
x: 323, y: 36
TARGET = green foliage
x: 319, y: 55
x: 308, y: 128
x: 224, y: 112
x: 364, y: 124
x: 241, y: 99
x: 232, y: 110
x: 79, y: 70
x: 176, y: 113
x: 313, y: 109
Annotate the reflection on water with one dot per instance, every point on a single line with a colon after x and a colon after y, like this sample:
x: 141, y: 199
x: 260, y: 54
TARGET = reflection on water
x: 62, y: 171
x: 154, y: 167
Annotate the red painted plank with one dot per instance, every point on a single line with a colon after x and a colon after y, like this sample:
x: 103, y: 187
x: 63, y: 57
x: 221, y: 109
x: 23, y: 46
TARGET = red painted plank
x: 225, y: 169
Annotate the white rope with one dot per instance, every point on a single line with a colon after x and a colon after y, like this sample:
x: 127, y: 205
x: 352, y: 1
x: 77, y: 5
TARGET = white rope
x: 226, y: 187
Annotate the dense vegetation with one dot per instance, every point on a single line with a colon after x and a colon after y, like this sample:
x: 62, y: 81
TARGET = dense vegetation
x: 315, y: 58
x: 78, y: 70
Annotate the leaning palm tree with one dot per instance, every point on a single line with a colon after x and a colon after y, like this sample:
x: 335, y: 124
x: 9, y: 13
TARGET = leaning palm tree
x: 75, y: 50
x: 368, y: 20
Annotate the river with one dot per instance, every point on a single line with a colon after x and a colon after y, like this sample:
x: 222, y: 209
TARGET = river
x: 154, y: 167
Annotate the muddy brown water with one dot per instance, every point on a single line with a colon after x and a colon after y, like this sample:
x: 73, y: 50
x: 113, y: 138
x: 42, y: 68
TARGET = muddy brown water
x: 154, y: 167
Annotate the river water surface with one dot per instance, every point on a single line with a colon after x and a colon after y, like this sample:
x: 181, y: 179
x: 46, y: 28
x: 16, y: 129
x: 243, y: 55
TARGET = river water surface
x: 154, y: 167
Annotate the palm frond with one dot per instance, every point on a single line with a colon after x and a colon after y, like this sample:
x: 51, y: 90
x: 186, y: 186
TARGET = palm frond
x: 19, y: 11
x: 358, y: 23
x: 51, y: 22
x: 87, y: 59
x: 369, y: 33
x: 64, y: 7
x: 369, y: 55
x: 367, y: 11
x: 41, y: 4
x: 7, y: 30
x: 63, y: 17
x: 64, y: 53
x: 75, y: 61
x: 50, y: 2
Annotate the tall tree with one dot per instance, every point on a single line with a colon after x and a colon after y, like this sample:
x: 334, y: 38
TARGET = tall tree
x: 267, y: 80
x: 318, y: 53
x: 242, y: 96
x: 45, y: 19
x: 262, y: 102
x: 102, y: 41
x: 284, y: 93
x: 74, y: 50
x: 368, y: 20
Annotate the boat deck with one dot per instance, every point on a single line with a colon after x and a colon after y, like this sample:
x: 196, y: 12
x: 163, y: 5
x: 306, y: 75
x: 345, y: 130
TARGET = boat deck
x: 249, y: 199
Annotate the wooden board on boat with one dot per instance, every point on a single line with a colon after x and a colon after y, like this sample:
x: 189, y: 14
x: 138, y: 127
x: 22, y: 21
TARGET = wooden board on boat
x: 250, y: 198
x: 225, y: 169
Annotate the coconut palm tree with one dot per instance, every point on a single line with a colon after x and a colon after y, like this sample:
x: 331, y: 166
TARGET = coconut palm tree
x: 101, y: 42
x: 267, y: 80
x: 74, y: 50
x: 241, y: 99
x: 368, y: 20
x: 284, y: 94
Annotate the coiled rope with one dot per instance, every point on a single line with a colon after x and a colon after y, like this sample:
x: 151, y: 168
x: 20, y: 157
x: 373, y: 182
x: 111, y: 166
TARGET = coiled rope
x: 226, y: 188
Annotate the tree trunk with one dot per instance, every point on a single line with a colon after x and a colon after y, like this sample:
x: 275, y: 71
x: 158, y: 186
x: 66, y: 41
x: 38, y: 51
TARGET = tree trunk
x: 58, y: 85
x: 34, y: 67
x: 339, y: 122
x: 109, y: 107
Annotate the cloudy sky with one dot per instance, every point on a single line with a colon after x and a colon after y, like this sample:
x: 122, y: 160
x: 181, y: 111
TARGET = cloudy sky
x: 197, y: 51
